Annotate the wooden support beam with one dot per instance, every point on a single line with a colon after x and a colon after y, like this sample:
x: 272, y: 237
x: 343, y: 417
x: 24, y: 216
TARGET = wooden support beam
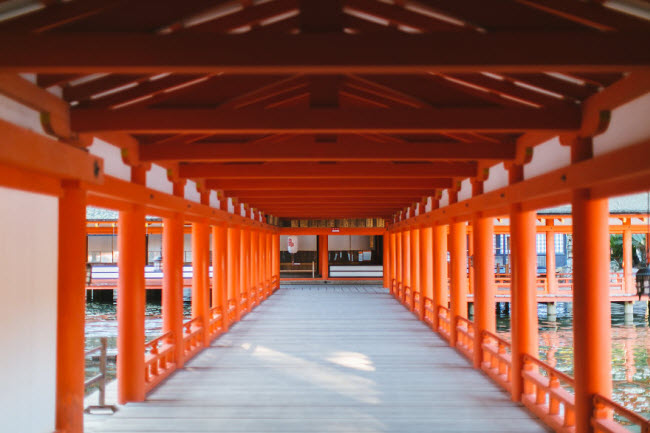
x: 327, y: 120
x: 324, y: 53
x: 318, y: 184
x: 346, y: 148
x: 411, y: 195
x: 313, y: 170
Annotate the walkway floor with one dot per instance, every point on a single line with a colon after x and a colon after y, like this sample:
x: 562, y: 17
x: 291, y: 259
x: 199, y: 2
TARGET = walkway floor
x: 325, y: 359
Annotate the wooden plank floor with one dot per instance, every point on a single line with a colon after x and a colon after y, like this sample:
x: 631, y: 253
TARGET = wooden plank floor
x: 325, y: 359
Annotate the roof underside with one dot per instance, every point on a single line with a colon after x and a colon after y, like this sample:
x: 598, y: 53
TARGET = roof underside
x: 311, y: 108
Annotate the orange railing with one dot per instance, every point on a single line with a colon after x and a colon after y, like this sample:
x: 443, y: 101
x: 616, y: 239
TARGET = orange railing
x: 416, y: 303
x: 602, y: 418
x: 465, y: 336
x: 408, y: 298
x: 159, y: 360
x: 428, y: 311
x: 444, y: 322
x: 192, y: 337
x: 497, y: 359
x: 243, y: 304
x: 215, y: 325
x: 232, y: 311
x: 544, y: 395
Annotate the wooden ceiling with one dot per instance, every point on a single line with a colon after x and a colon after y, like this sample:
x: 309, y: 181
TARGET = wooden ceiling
x: 313, y: 108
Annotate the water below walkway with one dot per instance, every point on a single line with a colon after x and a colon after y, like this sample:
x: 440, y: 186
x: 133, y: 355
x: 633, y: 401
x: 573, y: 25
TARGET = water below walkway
x: 630, y: 344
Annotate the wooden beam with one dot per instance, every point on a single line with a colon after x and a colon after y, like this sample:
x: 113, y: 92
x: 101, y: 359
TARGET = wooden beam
x: 347, y: 148
x: 327, y: 120
x: 247, y: 195
x: 338, y: 170
x: 320, y: 184
x: 324, y: 53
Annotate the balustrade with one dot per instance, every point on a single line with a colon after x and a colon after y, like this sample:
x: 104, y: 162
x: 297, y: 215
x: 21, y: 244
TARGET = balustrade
x: 465, y: 336
x: 192, y: 337
x: 159, y: 360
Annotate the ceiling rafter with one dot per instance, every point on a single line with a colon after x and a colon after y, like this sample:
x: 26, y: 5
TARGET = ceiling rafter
x: 328, y: 184
x: 398, y: 15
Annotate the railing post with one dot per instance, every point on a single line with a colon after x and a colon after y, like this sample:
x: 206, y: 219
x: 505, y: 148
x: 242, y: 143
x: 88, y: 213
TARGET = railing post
x: 458, y: 292
x: 71, y: 309
x: 440, y: 288
x: 484, y: 291
x: 415, y: 267
x: 172, y: 289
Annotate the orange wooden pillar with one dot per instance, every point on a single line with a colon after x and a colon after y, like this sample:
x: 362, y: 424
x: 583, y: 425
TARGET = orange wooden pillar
x: 244, y: 268
x: 470, y: 267
x: 276, y: 259
x: 386, y: 260
x: 255, y: 267
x: 263, y: 253
x: 415, y: 266
x: 131, y: 305
x: 484, y: 289
x: 591, y: 305
x: 426, y: 266
x: 172, y: 288
x: 200, y: 276
x: 523, y: 292
x: 71, y: 309
x: 440, y: 285
x: 628, y: 280
x: 220, y: 272
x: 323, y: 247
x: 551, y: 280
x: 399, y: 252
x: 234, y: 245
x: 393, y: 262
x: 458, y: 260
x: 406, y: 262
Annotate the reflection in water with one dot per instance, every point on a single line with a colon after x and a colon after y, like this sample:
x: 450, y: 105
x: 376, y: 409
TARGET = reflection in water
x: 630, y: 350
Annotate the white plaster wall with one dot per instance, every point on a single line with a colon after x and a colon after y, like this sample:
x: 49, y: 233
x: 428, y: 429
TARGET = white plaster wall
x: 465, y: 191
x: 498, y: 178
x: 348, y: 242
x: 444, y: 199
x: 231, y: 206
x: 113, y: 163
x: 429, y: 206
x: 191, y: 193
x: 20, y: 115
x: 28, y: 239
x: 214, y: 200
x: 547, y: 157
x: 629, y: 125
x: 157, y: 179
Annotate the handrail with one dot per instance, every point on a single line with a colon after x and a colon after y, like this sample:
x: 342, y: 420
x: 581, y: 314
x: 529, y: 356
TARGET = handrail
x: 100, y: 378
x: 544, y: 395
x: 215, y: 325
x: 232, y: 311
x: 602, y: 417
x: 465, y: 336
x: 192, y: 336
x: 417, y: 298
x: 497, y: 361
x: 159, y: 359
x: 444, y: 322
x: 428, y: 311
x: 407, y: 298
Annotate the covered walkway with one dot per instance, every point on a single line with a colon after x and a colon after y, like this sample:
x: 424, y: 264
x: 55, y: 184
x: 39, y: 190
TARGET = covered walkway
x: 325, y: 358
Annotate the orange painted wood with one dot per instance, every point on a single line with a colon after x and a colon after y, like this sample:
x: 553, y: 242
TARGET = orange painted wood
x: 323, y: 53
x: 458, y: 276
x: 71, y: 310
x: 327, y: 120
x: 327, y: 184
x: 484, y: 288
x: 172, y: 284
x: 233, y: 267
x: 591, y: 306
x: 200, y: 277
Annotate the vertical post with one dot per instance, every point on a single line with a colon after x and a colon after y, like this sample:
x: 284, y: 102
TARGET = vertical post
x: 406, y: 262
x: 71, y: 309
x: 523, y: 292
x: 458, y: 292
x: 255, y: 266
x: 220, y: 272
x: 551, y: 280
x: 591, y: 307
x: 386, y: 260
x: 426, y: 266
x: 484, y: 291
x: 263, y: 277
x: 325, y: 256
x: 399, y: 252
x: 628, y: 281
x: 130, y: 305
x: 244, y: 265
x: 415, y: 266
x: 276, y: 258
x: 440, y: 287
x: 172, y: 289
x: 393, y: 262
x: 233, y: 267
x: 470, y: 265
x: 200, y: 276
